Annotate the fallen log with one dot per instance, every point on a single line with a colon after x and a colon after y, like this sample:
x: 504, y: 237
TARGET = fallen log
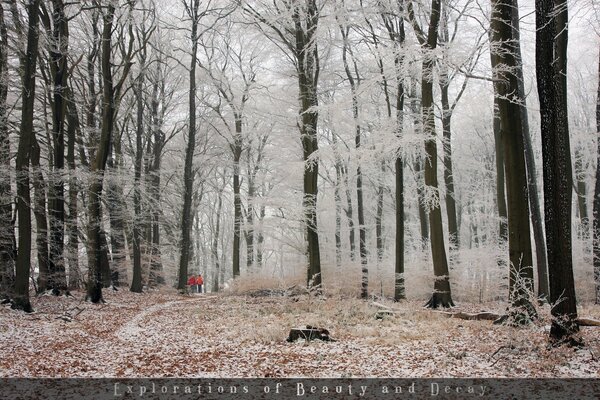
x: 587, y: 322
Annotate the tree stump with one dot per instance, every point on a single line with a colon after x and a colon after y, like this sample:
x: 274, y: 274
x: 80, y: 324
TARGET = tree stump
x: 309, y: 333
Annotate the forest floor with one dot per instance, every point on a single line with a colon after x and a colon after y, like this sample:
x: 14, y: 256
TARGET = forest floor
x: 163, y: 334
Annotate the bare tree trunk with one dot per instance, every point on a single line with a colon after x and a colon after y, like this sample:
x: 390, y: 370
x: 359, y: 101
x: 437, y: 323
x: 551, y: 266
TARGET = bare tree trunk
x: 442, y: 293
x: 551, y: 73
x: 354, y: 83
x: 511, y: 133
x: 596, y: 212
x: 237, y: 202
x: 532, y: 186
x: 39, y: 211
x: 71, y: 220
x: 156, y: 268
x: 110, y: 93
x: 453, y: 233
x: 7, y: 233
x: 500, y: 181
x: 26, y: 136
x: 136, y: 283
x: 215, y: 243
x: 58, y: 50
x: 188, y: 174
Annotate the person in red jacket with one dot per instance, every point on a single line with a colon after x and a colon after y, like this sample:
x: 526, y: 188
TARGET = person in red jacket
x: 199, y: 283
x: 192, y: 283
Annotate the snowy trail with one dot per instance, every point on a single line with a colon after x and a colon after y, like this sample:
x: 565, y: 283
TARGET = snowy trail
x: 136, y: 328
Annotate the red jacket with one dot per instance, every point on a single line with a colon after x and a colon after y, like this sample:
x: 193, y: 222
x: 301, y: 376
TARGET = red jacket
x: 191, y: 280
x: 199, y: 280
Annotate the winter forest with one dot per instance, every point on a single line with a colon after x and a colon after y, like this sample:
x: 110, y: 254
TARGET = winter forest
x: 398, y: 174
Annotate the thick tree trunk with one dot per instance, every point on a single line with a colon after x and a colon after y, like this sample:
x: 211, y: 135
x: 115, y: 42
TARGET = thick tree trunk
x: 596, y: 212
x: 532, y: 186
x: 26, y: 136
x: 511, y: 132
x: 58, y: 50
x: 188, y: 173
x: 551, y: 72
x: 95, y: 242
x: 307, y: 67
x: 442, y: 293
x: 7, y: 233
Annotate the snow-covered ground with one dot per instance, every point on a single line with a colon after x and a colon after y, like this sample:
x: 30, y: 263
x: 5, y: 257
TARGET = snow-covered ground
x: 168, y: 335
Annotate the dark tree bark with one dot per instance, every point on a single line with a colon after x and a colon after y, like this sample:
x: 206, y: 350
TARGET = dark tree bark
x: 532, y: 186
x: 551, y: 72
x: 442, y: 293
x: 26, y: 136
x: 511, y: 131
x: 136, y: 282
x: 7, y: 233
x: 71, y: 220
x: 596, y: 205
x: 58, y: 33
x: 299, y: 37
x: 193, y: 12
x: 237, y: 201
x: 158, y: 92
x: 395, y: 30
x: 111, y: 92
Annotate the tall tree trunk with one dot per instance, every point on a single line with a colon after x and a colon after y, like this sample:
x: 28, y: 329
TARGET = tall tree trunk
x: 58, y: 49
x: 156, y: 268
x: 596, y: 211
x: 307, y: 66
x: 551, y: 73
x: 115, y: 204
x: 95, y: 242
x: 442, y: 293
x: 39, y: 211
x: 362, y: 231
x: 7, y: 233
x: 500, y: 179
x: 188, y: 173
x: 450, y: 198
x: 511, y: 132
x: 532, y: 185
x: 71, y: 220
x: 26, y: 136
x: 136, y: 283
x: 250, y: 221
x: 396, y: 33
x: 237, y: 201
